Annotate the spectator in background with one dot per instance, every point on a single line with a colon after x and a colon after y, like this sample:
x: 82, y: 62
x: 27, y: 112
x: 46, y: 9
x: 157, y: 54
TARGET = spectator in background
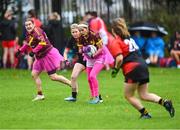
x: 8, y: 28
x: 97, y: 25
x: 32, y: 14
x: 87, y: 17
x: 154, y: 49
x: 175, y: 48
x: 54, y: 31
x: 140, y: 41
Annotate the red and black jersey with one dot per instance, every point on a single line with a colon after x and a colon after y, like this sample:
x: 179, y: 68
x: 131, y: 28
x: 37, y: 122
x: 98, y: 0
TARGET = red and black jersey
x: 124, y: 47
x: 128, y: 49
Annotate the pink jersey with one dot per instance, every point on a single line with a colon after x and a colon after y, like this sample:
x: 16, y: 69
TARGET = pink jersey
x: 104, y: 55
x: 97, y: 25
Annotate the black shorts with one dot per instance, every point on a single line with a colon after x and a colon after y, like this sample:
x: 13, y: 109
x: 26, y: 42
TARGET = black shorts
x: 140, y: 75
x: 81, y: 61
x: 52, y: 72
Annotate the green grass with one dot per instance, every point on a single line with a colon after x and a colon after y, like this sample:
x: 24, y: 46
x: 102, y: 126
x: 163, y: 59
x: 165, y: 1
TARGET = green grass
x: 17, y: 111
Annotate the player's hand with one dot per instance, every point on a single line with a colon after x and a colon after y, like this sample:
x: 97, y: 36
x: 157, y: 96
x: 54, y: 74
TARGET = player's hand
x: 67, y: 63
x: 31, y: 54
x: 89, y: 55
x: 114, y: 72
x: 17, y: 54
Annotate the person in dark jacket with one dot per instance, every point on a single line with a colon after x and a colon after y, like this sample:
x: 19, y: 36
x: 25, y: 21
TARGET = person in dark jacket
x: 54, y: 31
x: 8, y: 35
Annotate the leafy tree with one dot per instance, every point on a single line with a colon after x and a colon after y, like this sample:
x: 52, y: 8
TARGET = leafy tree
x: 166, y: 13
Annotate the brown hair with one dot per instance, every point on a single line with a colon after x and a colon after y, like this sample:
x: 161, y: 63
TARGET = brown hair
x: 29, y: 19
x: 119, y: 27
x: 32, y: 13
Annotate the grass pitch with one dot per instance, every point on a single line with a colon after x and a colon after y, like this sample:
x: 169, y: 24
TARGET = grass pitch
x: 17, y: 111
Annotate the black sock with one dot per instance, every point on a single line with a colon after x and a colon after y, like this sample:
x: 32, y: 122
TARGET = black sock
x: 39, y: 93
x: 143, y: 111
x: 100, y: 97
x: 74, y: 94
x: 161, y: 102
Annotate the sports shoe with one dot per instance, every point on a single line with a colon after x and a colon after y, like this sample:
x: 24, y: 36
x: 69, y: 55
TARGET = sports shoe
x: 71, y: 99
x: 94, y: 100
x: 178, y: 66
x: 39, y: 97
x: 100, y: 99
x: 169, y: 107
x: 145, y: 116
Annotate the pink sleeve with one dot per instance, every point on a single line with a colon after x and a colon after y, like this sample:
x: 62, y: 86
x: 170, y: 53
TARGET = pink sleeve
x: 99, y: 51
x: 24, y: 47
x: 37, y: 48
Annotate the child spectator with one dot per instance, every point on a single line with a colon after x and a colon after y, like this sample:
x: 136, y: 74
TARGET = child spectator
x: 175, y: 48
x: 154, y: 49
x: 140, y: 41
x: 8, y: 29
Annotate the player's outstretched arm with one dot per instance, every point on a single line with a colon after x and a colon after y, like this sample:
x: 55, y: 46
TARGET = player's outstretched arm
x: 117, y: 65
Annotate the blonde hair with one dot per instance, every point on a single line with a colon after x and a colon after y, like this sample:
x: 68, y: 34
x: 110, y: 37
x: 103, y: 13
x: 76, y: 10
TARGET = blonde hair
x: 119, y: 27
x: 74, y: 26
x: 83, y: 25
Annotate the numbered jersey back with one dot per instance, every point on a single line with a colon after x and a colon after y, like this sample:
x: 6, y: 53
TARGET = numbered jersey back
x: 123, y: 47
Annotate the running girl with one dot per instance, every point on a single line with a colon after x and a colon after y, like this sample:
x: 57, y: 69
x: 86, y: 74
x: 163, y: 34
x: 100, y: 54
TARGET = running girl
x: 134, y: 70
x: 47, y: 58
x: 96, y: 62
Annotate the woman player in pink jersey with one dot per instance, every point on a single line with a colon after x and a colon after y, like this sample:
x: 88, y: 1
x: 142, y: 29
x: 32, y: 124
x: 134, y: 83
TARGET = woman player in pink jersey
x: 47, y: 58
x: 96, y: 62
x: 80, y: 65
x: 134, y: 70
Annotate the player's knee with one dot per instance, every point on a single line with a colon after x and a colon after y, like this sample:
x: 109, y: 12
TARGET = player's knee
x: 73, y: 77
x: 34, y: 75
x: 143, y: 96
x: 92, y: 77
x: 127, y: 97
x: 89, y: 79
x: 53, y: 77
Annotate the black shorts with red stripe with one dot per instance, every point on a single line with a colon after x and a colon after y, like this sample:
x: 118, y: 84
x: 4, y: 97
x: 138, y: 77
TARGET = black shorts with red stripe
x: 139, y: 74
